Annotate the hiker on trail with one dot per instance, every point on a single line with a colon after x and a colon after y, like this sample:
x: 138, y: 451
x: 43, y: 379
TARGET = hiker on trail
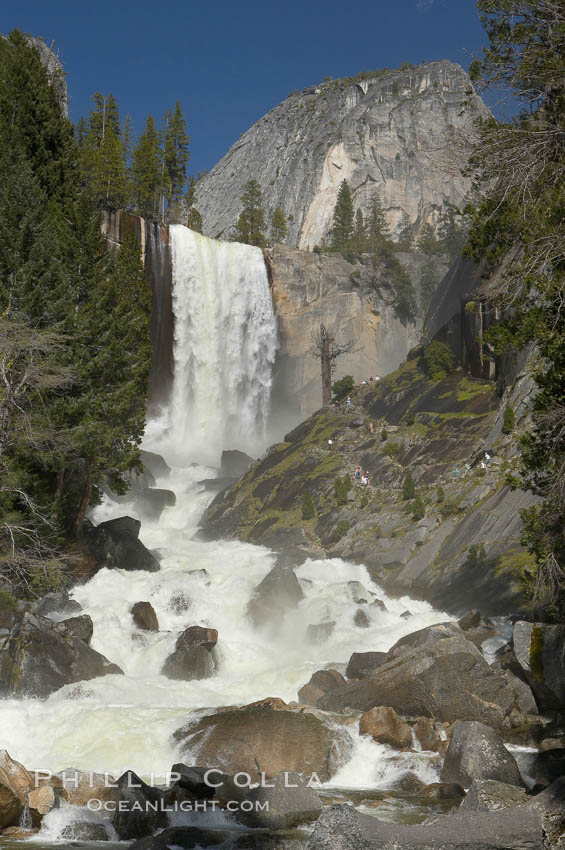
x: 348, y: 401
x: 357, y: 473
x: 371, y: 427
x: 364, y: 480
x: 487, y: 457
x: 457, y: 473
x: 330, y: 443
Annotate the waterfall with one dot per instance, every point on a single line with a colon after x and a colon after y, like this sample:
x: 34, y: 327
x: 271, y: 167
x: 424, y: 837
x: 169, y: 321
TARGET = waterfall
x: 224, y: 346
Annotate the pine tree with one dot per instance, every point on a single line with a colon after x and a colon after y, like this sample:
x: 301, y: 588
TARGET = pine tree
x: 408, y: 489
x: 102, y: 153
x: 146, y: 170
x: 342, y: 229
x: 251, y: 222
x: 359, y: 241
x: 175, y: 154
x: 378, y: 230
x: 193, y: 218
x: 428, y: 241
x: 279, y: 226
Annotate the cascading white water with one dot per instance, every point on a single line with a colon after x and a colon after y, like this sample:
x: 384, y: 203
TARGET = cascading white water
x: 225, y: 344
x: 224, y: 347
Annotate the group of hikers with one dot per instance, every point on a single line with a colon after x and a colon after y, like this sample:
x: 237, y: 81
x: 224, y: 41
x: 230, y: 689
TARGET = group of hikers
x: 363, y: 477
x: 467, y: 468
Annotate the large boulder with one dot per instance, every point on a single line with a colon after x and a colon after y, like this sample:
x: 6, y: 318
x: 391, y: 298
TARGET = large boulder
x: 153, y: 501
x: 78, y: 787
x: 234, y: 463
x: 155, y: 464
x: 37, y: 659
x: 143, y: 808
x: 489, y: 795
x: 384, y: 725
x: 340, y: 827
x: 284, y: 802
x: 446, y: 678
x: 81, y: 627
x: 549, y: 766
x: 476, y: 752
x: 115, y: 545
x: 276, y: 593
x: 57, y: 603
x: 539, y: 649
x: 192, y: 657
x: 362, y: 664
x: 257, y: 739
x: 11, y: 806
x: 41, y: 801
x: 144, y: 616
x: 551, y: 806
x: 321, y: 682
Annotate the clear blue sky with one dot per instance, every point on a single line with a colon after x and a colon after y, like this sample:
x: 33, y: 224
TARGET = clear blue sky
x: 230, y: 62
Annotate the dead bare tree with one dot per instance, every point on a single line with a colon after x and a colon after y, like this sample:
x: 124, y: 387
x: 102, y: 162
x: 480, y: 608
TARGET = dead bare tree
x: 328, y: 349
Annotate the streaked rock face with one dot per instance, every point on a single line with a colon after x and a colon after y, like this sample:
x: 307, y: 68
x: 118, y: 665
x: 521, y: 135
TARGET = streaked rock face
x: 401, y: 135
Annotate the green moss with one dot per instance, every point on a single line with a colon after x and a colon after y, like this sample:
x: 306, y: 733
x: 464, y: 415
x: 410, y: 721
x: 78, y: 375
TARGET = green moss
x: 329, y: 465
x: 516, y: 561
x: 536, y: 653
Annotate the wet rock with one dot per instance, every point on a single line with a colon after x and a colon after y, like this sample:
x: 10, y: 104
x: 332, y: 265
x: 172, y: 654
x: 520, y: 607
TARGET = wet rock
x: 115, y: 545
x: 18, y: 833
x: 235, y: 463
x: 362, y: 664
x: 320, y: 683
x: 41, y: 801
x: 290, y: 802
x: 153, y: 501
x: 488, y: 795
x: 14, y: 776
x: 78, y: 787
x: 80, y: 627
x: 540, y: 653
x: 378, y: 603
x: 259, y: 739
x: 138, y: 817
x: 192, y: 657
x: 361, y: 619
x: 476, y: 752
x: 84, y: 830
x: 384, y: 725
x: 359, y: 593
x: 470, y: 621
x: 144, y: 617
x: 187, y: 838
x: 430, y: 634
x: 428, y: 735
x: 11, y: 806
x: 37, y: 659
x: 437, y: 792
x: 340, y: 827
x: 156, y: 464
x: 317, y: 633
x: 216, y: 485
x: 57, y: 602
x: 406, y: 615
x: 278, y: 592
x: 192, y: 779
x: 409, y: 783
x: 446, y: 678
x: 549, y: 766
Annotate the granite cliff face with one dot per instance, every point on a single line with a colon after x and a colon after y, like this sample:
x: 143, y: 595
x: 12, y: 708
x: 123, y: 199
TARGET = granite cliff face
x: 352, y: 296
x: 399, y: 135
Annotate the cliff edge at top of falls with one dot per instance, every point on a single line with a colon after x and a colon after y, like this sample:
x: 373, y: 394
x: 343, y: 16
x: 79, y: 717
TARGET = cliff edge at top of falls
x: 458, y: 551
x: 401, y: 135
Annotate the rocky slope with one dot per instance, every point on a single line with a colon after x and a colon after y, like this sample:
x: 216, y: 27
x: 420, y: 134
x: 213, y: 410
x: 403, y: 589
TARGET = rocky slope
x: 399, y: 134
x: 464, y: 551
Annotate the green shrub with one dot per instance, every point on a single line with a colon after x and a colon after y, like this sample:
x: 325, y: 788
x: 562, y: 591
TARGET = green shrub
x: 476, y: 555
x: 384, y: 435
x: 46, y: 579
x: 508, y: 420
x: 341, y: 530
x: 418, y: 510
x: 408, y: 489
x: 439, y: 360
x: 343, y: 387
x: 410, y: 417
x: 440, y: 496
x: 7, y: 601
x: 449, y: 508
x: 364, y: 502
x: 307, y: 506
x: 391, y: 449
x: 342, y: 486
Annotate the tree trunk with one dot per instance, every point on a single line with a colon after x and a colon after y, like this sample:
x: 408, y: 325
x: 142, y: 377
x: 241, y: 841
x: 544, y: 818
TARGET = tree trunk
x: 325, y: 357
x: 85, y: 499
